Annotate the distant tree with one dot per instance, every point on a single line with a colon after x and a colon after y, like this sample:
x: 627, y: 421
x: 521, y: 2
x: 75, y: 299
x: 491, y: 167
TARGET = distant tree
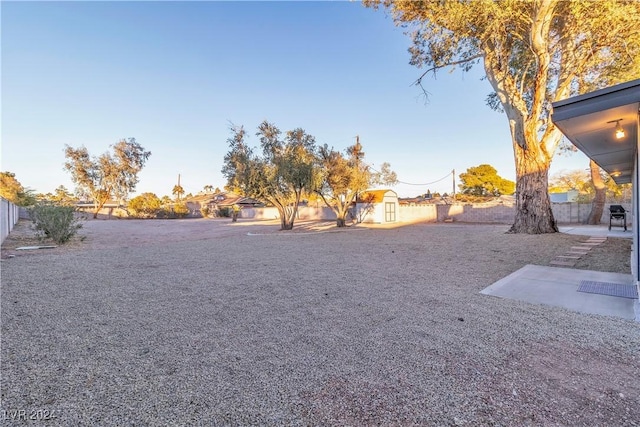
x: 571, y: 180
x: 177, y: 191
x: 483, y: 180
x: 13, y: 191
x: 284, y: 171
x: 345, y: 176
x: 385, y: 177
x: 208, y: 188
x: 597, y: 205
x: 598, y: 184
x: 111, y: 175
x: 147, y: 205
x: 62, y: 196
x: 593, y: 185
x: 533, y: 53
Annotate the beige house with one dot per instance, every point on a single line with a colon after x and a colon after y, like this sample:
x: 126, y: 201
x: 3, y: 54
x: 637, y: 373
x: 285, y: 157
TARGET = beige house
x: 219, y: 201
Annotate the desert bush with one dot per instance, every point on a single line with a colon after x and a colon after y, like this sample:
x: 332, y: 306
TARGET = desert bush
x: 180, y: 210
x: 224, y: 212
x: 56, y: 222
x: 146, y: 205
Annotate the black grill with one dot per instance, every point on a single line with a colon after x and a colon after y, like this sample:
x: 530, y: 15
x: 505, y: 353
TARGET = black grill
x: 618, y: 213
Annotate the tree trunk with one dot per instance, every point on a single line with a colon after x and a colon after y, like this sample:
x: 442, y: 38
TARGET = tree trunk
x: 99, y: 204
x: 533, y: 206
x: 287, y: 217
x: 340, y: 222
x: 597, y: 205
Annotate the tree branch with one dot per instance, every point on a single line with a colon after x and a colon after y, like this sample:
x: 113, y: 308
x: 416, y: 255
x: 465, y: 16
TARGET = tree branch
x: 418, y: 81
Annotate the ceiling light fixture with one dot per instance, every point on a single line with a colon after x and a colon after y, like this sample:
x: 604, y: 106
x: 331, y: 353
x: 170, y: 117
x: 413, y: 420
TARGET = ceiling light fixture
x: 619, y: 132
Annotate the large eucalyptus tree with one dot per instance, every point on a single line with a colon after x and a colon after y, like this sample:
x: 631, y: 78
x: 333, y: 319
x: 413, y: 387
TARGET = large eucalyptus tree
x: 534, y: 53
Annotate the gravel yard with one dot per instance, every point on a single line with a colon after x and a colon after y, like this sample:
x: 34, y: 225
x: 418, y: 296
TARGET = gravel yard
x: 208, y: 322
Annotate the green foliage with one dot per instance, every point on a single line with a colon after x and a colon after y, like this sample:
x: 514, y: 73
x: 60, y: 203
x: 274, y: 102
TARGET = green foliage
x: 13, y: 191
x: 180, y: 210
x: 177, y: 191
x: 285, y: 171
x: 385, y: 177
x: 146, y: 205
x: 483, y: 180
x: 109, y: 175
x: 205, y: 211
x: 343, y: 177
x: 224, y: 212
x: 61, y: 196
x: 56, y: 222
x: 580, y: 180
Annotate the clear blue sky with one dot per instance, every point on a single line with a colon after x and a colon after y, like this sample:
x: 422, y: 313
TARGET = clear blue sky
x: 175, y: 75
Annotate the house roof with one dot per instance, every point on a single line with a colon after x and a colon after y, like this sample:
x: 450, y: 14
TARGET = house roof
x: 375, y: 196
x: 589, y: 122
x: 225, y: 198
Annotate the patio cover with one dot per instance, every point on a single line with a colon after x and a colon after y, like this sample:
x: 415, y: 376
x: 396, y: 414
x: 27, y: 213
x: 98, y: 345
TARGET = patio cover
x: 589, y: 122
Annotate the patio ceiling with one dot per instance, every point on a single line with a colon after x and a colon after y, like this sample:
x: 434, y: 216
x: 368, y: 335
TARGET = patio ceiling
x: 589, y: 122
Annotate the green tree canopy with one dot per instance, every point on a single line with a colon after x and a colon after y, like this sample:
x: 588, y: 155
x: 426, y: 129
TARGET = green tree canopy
x: 13, y: 191
x: 145, y: 205
x: 177, y: 191
x: 343, y: 177
x: 581, y: 181
x: 280, y: 175
x: 533, y: 53
x: 346, y: 175
x: 61, y: 196
x: 111, y: 175
x: 483, y: 180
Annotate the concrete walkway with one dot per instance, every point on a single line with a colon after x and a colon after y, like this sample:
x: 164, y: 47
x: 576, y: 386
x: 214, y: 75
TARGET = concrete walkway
x: 558, y: 287
x: 596, y: 230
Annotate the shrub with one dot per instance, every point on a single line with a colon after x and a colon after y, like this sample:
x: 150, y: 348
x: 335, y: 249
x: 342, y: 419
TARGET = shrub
x: 204, y: 211
x: 146, y: 205
x: 224, y: 212
x: 58, y: 223
x: 180, y: 210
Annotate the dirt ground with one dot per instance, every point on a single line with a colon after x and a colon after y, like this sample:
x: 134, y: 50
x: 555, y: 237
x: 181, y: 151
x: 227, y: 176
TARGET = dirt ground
x: 612, y: 256
x: 209, y: 322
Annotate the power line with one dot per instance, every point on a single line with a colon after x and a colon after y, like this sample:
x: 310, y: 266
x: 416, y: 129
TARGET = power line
x: 428, y: 183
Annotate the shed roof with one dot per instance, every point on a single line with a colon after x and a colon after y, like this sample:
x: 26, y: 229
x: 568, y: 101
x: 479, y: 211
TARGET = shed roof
x: 375, y: 196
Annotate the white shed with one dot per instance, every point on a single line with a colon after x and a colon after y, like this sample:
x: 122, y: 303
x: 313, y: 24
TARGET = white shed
x: 377, y: 206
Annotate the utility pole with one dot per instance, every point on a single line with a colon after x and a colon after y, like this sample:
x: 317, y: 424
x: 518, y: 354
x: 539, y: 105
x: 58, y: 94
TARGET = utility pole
x: 178, y: 187
x: 357, y: 150
x: 453, y: 175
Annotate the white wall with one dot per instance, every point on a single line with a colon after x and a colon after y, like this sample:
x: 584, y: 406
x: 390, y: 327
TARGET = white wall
x: 9, y: 215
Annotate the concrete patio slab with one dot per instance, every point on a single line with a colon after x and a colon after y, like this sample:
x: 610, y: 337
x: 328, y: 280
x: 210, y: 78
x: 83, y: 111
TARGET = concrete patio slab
x: 596, y: 231
x: 559, y: 287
